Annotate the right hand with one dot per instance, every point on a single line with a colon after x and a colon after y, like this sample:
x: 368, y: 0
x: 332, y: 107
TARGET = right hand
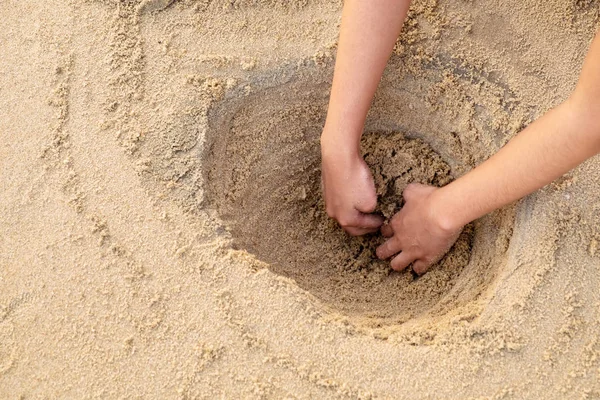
x: 348, y: 189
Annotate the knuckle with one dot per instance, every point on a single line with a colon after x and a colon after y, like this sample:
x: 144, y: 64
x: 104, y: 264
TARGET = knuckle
x: 430, y: 258
x: 371, y: 203
x: 420, y: 268
x: 395, y: 222
x: 398, y: 261
x: 330, y: 210
x: 388, y: 248
x: 396, y: 242
x: 409, y: 190
x: 345, y: 221
x: 426, y: 262
x: 420, y: 254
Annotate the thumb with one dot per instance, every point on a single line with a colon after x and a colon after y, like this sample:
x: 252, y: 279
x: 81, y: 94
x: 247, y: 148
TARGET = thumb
x: 369, y: 221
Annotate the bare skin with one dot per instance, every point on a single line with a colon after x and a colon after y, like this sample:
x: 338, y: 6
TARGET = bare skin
x: 432, y: 218
x: 349, y: 190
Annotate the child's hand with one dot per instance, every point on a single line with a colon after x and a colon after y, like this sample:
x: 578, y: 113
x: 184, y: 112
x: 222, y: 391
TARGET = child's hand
x: 417, y: 232
x: 349, y: 191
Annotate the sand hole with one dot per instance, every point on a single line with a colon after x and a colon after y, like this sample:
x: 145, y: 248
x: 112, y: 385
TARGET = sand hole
x: 263, y: 178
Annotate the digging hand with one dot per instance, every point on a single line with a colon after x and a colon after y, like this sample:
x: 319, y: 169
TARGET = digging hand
x: 415, y: 233
x: 349, y: 191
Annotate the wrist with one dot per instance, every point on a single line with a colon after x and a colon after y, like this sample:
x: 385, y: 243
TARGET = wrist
x: 442, y: 211
x: 340, y: 143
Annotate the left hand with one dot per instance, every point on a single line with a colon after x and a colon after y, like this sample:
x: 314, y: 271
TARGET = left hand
x: 418, y: 232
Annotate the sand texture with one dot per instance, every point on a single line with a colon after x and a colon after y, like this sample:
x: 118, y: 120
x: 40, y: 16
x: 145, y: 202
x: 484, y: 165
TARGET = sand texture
x: 271, y: 202
x: 162, y: 233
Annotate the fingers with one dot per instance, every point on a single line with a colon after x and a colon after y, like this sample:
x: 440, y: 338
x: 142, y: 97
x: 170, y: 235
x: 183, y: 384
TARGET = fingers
x: 353, y: 231
x: 389, y: 248
x: 421, y: 266
x: 387, y: 231
x: 359, y: 231
x: 402, y: 260
x: 361, y: 224
x: 368, y: 221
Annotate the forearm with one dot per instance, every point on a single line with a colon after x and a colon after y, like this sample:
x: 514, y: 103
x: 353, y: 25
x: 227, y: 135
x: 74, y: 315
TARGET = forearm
x: 547, y: 149
x: 367, y: 36
x: 544, y: 151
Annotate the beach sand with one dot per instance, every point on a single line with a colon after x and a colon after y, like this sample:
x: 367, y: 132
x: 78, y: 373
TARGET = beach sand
x: 162, y: 233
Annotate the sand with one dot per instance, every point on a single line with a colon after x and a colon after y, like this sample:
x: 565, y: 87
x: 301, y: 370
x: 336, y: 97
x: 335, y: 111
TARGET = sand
x: 272, y: 205
x: 162, y: 234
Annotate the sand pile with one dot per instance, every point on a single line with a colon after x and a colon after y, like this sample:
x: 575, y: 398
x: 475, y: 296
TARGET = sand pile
x: 162, y: 233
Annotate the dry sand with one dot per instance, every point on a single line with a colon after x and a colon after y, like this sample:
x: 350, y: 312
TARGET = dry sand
x: 162, y: 234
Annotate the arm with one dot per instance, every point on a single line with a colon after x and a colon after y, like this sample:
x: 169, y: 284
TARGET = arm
x: 566, y: 136
x: 368, y: 33
x: 551, y: 146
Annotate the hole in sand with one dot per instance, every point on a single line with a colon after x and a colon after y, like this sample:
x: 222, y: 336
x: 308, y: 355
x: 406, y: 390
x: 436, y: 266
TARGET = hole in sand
x: 263, y: 178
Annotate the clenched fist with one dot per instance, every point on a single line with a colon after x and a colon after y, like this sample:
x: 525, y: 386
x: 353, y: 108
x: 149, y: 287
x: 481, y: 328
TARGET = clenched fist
x: 349, y: 190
